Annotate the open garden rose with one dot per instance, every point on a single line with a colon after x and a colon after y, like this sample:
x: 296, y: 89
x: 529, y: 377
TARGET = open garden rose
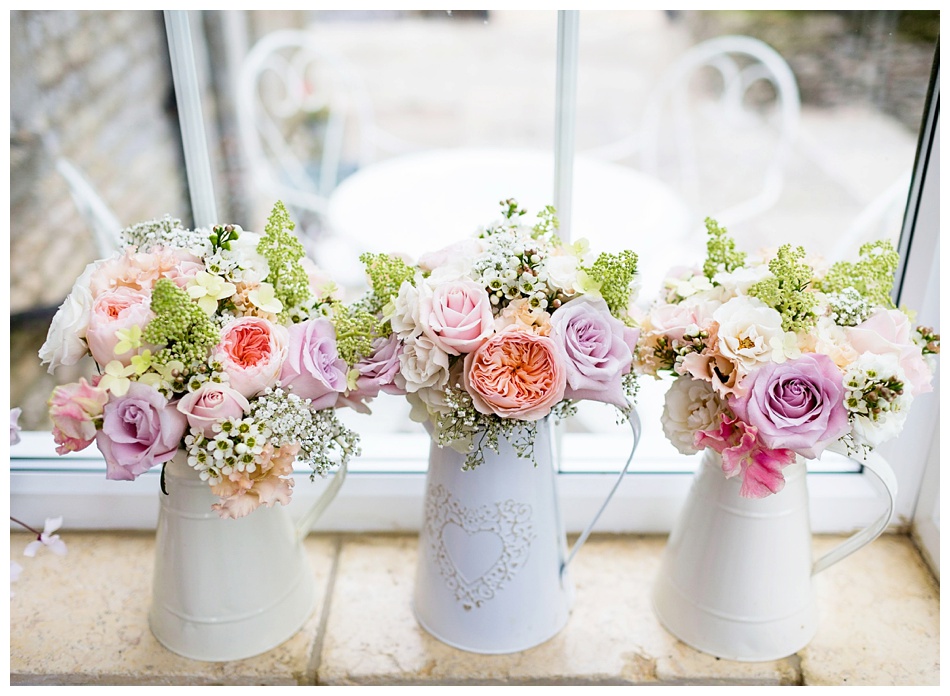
x: 139, y: 430
x: 458, y: 316
x: 515, y: 374
x: 113, y: 310
x: 796, y: 405
x: 597, y: 356
x: 251, y: 352
x: 313, y: 368
x: 212, y: 403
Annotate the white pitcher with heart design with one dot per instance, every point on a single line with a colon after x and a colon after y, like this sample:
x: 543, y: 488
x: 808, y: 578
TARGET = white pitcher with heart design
x: 492, y: 573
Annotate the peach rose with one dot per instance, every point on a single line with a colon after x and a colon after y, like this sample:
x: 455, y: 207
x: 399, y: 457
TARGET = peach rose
x: 251, y: 353
x: 133, y: 269
x: 120, y: 308
x: 515, y: 374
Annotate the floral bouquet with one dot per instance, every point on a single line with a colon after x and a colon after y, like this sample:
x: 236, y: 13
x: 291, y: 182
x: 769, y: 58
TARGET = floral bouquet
x: 225, y: 343
x: 493, y: 333
x: 783, y: 358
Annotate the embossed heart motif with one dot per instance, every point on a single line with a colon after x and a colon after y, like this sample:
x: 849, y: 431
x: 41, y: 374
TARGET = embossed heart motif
x: 472, y: 553
x: 476, y: 550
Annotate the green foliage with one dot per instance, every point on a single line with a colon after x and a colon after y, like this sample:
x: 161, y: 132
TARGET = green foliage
x: 721, y: 254
x: 183, y: 329
x: 786, y: 289
x: 283, y: 252
x: 614, y: 273
x: 355, y: 331
x: 386, y: 274
x: 872, y: 275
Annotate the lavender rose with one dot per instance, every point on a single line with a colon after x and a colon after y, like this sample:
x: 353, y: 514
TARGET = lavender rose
x: 212, y: 403
x: 139, y: 430
x: 796, y: 405
x: 313, y: 368
x: 377, y: 372
x: 595, y: 350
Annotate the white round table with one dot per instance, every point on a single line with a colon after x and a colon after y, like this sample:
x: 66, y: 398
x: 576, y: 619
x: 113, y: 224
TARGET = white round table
x: 423, y: 201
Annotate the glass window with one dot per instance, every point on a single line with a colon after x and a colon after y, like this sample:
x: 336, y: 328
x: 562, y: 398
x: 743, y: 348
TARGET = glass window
x: 308, y: 106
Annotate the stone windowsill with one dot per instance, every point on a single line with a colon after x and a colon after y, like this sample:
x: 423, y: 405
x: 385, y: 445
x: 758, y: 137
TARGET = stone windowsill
x: 82, y: 620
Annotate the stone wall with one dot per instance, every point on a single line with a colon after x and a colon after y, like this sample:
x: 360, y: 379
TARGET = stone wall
x: 95, y: 88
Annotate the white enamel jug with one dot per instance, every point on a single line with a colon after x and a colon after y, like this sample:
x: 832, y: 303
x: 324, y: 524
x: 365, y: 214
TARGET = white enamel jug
x: 228, y: 589
x: 492, y: 571
x: 736, y: 576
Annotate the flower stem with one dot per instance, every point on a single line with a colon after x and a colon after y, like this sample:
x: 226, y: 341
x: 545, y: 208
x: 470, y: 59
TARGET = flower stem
x: 26, y: 526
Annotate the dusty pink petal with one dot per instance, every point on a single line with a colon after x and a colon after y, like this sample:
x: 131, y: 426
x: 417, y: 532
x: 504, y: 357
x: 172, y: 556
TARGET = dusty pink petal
x: 763, y: 472
x: 237, y: 506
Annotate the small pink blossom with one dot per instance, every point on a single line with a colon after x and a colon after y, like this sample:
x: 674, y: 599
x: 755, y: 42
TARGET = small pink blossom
x: 15, y: 425
x: 74, y: 409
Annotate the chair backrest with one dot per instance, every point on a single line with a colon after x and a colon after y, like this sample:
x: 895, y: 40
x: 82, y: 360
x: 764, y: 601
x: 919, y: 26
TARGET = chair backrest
x: 304, y: 118
x: 721, y: 125
x: 105, y: 226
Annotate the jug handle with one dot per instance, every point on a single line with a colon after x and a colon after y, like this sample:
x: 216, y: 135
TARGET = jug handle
x: 878, y: 466
x: 322, y: 503
x: 633, y: 420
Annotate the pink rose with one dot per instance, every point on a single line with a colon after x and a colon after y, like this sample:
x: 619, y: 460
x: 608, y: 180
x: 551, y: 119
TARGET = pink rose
x: 377, y: 372
x: 73, y: 409
x: 515, y: 374
x: 212, y: 403
x: 139, y: 431
x: 459, y: 317
x: 186, y: 268
x: 796, y: 405
x: 251, y: 353
x: 597, y: 354
x: 313, y: 368
x: 112, y: 310
x: 889, y: 331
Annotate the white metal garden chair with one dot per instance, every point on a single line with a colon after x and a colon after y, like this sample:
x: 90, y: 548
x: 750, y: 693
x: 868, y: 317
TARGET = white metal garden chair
x: 720, y: 127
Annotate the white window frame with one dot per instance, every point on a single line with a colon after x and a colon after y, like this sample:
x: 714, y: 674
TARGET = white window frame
x: 43, y: 484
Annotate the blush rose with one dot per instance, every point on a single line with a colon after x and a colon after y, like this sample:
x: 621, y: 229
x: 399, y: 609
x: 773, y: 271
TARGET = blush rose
x: 457, y: 316
x: 212, y: 403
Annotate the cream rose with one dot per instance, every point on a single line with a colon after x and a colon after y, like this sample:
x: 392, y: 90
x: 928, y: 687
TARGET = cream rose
x: 423, y: 364
x: 691, y: 406
x: 65, y: 342
x: 751, y: 334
